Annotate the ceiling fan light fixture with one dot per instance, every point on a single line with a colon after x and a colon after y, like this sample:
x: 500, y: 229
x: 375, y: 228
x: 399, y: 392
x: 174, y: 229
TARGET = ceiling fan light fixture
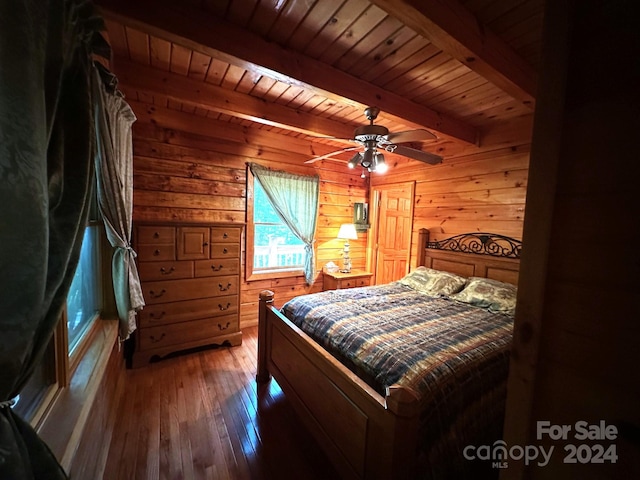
x: 380, y: 165
x: 377, y: 137
x: 367, y: 158
x: 355, y: 160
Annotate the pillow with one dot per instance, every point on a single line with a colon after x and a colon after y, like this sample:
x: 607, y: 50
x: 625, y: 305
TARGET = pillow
x: 433, y: 282
x: 491, y: 294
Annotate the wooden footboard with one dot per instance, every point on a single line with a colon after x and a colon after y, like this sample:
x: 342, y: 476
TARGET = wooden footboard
x: 364, y: 434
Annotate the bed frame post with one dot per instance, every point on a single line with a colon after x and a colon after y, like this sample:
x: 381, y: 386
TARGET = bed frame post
x: 266, y: 301
x: 423, y: 240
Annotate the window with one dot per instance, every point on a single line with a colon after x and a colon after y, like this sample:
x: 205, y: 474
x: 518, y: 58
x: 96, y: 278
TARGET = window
x: 275, y: 247
x: 83, y: 300
x: 280, y: 244
x: 83, y: 307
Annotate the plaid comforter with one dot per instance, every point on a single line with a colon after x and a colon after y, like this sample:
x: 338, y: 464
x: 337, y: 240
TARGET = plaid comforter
x: 454, y: 356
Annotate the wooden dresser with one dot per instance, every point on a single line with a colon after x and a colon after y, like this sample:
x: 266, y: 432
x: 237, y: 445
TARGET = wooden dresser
x: 190, y: 276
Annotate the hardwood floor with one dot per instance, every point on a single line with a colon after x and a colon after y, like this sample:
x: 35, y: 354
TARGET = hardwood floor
x: 199, y: 416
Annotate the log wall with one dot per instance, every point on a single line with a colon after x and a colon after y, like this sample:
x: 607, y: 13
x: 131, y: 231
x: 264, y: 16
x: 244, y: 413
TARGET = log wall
x: 575, y: 356
x: 477, y: 189
x: 189, y: 168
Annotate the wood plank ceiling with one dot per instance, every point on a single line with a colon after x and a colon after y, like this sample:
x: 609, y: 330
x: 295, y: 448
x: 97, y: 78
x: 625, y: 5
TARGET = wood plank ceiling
x: 308, y: 68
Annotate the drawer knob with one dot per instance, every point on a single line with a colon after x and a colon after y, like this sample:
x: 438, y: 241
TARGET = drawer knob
x: 224, y: 289
x: 216, y: 269
x: 164, y: 271
x: 154, y: 339
x: 224, y: 235
x: 156, y: 252
x: 222, y: 308
x: 156, y: 235
x: 157, y: 315
x: 224, y: 250
x: 225, y: 327
x: 205, y: 244
x: 158, y: 294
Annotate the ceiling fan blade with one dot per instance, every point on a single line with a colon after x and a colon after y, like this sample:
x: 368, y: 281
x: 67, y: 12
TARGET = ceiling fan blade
x: 417, y: 154
x: 329, y: 155
x: 410, y: 136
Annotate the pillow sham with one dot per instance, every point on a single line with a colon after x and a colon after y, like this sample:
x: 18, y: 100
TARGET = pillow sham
x: 494, y: 295
x: 433, y: 282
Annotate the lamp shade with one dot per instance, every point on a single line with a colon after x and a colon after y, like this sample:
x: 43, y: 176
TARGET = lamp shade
x: 348, y: 232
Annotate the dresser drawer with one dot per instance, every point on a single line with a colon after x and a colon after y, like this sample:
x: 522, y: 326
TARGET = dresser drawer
x: 355, y: 282
x: 179, y: 333
x: 175, y: 312
x: 168, y: 270
x: 221, y: 250
x: 225, y: 285
x: 156, y: 235
x: 187, y: 289
x: 225, y: 234
x: 156, y: 253
x: 217, y: 267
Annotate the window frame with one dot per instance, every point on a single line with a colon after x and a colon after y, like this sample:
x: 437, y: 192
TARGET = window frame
x: 65, y: 363
x: 250, y: 273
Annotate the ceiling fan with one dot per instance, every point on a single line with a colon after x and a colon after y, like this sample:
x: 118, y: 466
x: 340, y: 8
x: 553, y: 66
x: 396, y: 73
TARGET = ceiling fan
x: 376, y: 139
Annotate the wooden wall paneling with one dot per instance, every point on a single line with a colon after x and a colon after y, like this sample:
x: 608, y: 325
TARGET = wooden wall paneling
x: 484, y: 191
x: 146, y: 181
x: 575, y: 352
x: 195, y: 148
x: 187, y: 169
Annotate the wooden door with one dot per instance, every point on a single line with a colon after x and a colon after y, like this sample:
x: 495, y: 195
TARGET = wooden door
x: 392, y: 235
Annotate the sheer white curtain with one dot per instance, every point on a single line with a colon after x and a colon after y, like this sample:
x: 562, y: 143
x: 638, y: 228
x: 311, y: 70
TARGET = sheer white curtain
x: 114, y: 172
x: 295, y: 200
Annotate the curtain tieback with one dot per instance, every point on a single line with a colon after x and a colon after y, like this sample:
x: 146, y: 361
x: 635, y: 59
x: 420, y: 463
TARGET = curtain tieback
x: 130, y: 249
x: 7, y: 403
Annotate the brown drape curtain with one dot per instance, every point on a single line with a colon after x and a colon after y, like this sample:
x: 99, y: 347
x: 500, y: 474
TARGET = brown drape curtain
x: 46, y: 172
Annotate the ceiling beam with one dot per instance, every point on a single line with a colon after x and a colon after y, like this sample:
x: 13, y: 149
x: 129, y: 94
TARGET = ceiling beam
x: 457, y: 31
x: 212, y: 36
x: 212, y: 97
x: 181, y: 129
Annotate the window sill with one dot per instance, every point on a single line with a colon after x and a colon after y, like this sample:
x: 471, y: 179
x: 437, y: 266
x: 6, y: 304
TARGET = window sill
x: 272, y: 274
x: 62, y: 425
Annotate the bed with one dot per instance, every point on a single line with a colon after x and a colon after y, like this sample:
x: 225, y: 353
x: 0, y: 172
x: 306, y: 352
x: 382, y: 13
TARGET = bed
x: 399, y: 408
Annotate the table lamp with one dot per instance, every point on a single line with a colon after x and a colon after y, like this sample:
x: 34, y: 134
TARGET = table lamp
x: 347, y: 232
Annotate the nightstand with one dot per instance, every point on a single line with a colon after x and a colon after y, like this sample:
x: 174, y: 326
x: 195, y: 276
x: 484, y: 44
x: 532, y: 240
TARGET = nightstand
x: 338, y: 280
